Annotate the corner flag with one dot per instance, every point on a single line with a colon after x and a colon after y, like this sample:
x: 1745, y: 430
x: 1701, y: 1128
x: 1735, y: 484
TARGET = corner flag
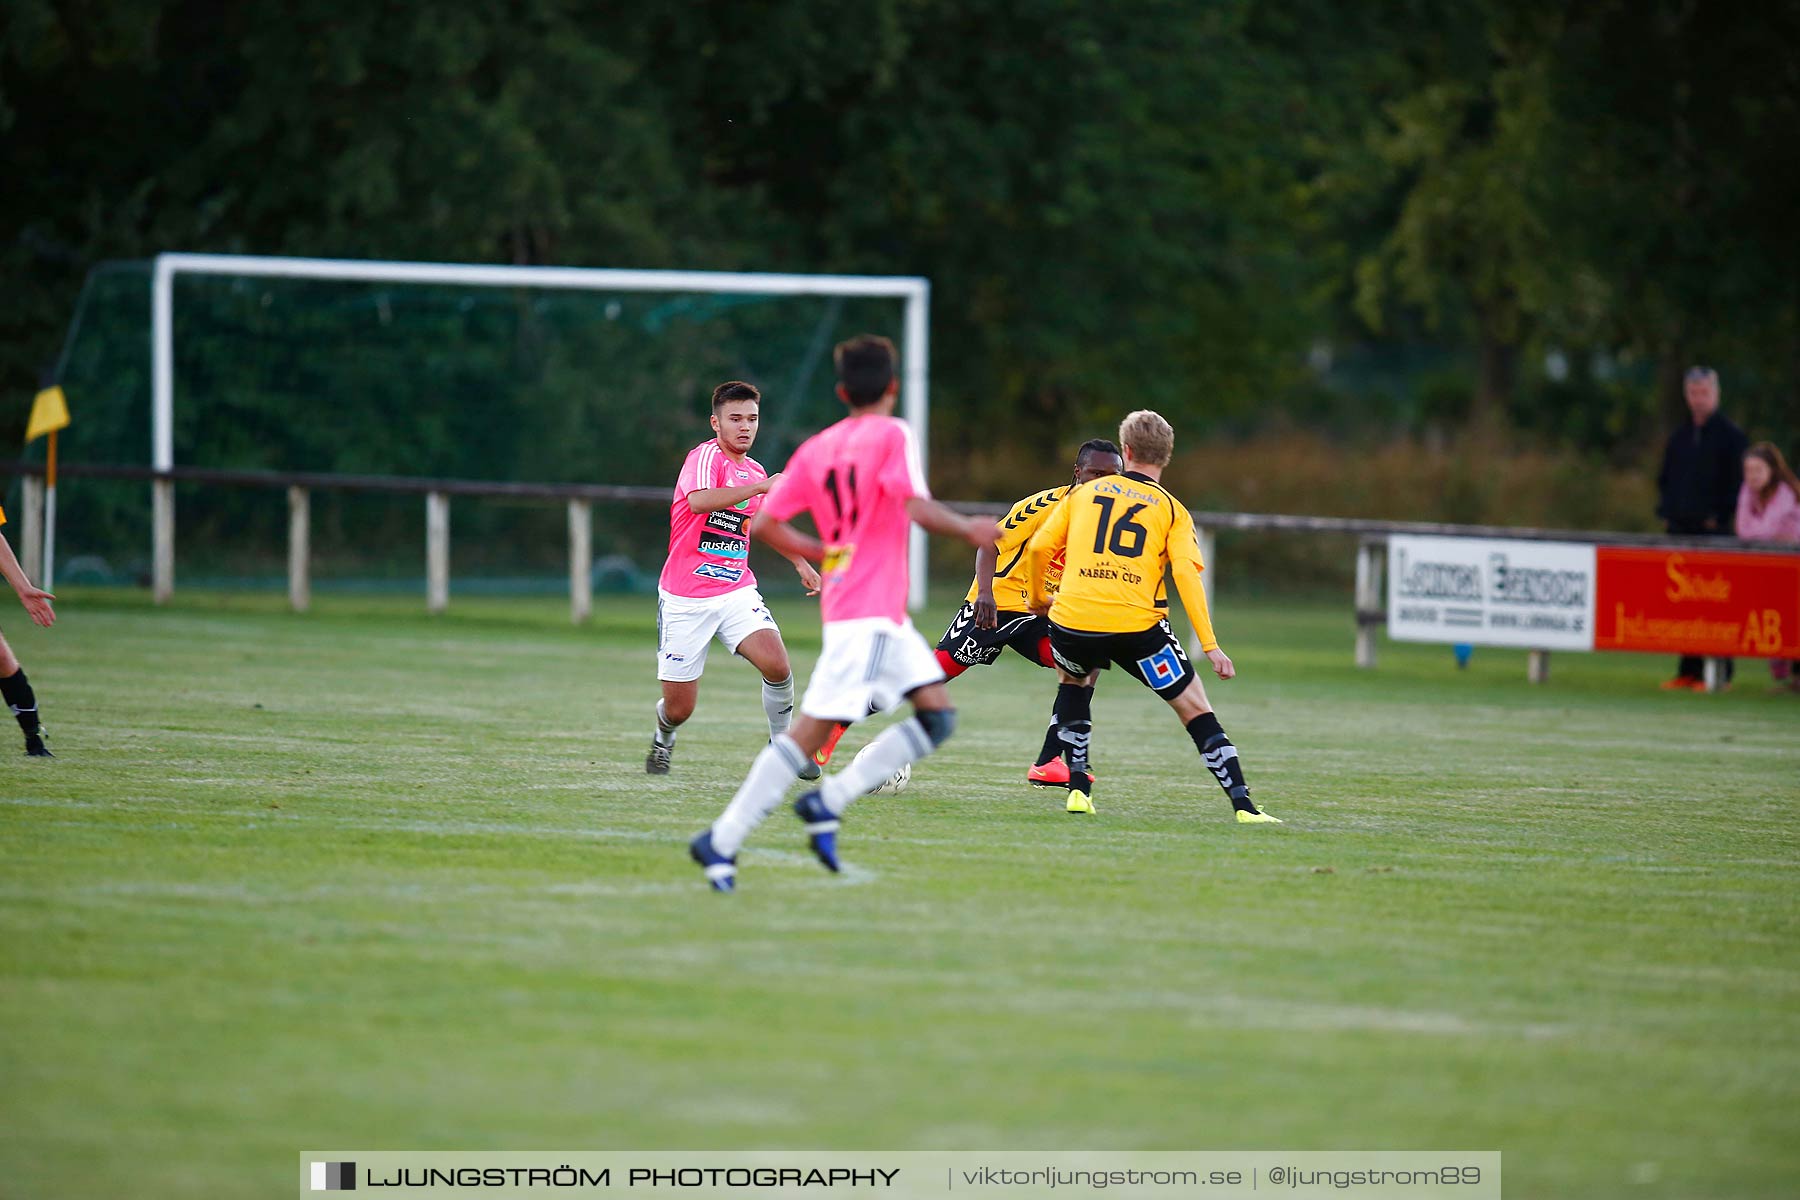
x: 49, y: 412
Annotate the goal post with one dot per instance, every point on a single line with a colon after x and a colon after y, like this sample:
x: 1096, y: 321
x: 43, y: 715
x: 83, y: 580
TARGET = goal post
x: 914, y: 291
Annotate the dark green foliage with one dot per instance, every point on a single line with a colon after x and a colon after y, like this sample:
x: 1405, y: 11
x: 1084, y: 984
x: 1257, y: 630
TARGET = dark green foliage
x: 1176, y: 205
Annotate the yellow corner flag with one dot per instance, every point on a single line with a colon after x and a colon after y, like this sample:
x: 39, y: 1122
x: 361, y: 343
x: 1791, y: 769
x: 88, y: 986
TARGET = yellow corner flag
x: 49, y: 412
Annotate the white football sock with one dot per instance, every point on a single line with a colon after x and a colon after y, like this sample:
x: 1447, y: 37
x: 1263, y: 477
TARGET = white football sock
x: 778, y: 703
x: 900, y: 745
x: 665, y: 732
x: 773, y: 772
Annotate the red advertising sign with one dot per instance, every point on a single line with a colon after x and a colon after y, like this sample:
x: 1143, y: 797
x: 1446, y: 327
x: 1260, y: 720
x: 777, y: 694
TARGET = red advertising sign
x: 1704, y: 602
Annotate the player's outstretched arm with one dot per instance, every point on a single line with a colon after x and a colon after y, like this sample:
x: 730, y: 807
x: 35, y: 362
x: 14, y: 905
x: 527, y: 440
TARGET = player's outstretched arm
x: 987, y: 615
x: 1193, y: 598
x: 1186, y: 564
x: 710, y: 500
x: 935, y: 518
x: 787, y: 541
x: 809, y: 575
x: 36, y: 600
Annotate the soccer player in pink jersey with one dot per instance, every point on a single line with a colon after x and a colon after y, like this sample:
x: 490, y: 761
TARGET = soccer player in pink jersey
x: 862, y: 484
x: 707, y: 589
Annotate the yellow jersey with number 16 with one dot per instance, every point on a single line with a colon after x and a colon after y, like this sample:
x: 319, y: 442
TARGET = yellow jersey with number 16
x: 1119, y: 537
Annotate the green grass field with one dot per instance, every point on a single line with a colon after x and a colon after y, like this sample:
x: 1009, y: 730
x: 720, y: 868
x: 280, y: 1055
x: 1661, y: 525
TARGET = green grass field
x: 368, y: 879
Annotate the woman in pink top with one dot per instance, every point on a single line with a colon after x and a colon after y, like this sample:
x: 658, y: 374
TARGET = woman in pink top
x: 1768, y: 510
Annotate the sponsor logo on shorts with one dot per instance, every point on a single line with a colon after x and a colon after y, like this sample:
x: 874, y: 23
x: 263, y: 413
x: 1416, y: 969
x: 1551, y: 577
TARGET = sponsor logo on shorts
x: 1162, y: 668
x: 674, y: 657
x: 973, y: 653
x: 719, y: 571
x: 1066, y: 663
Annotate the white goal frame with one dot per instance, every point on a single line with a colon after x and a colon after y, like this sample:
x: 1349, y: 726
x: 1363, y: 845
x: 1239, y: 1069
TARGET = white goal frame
x: 915, y: 350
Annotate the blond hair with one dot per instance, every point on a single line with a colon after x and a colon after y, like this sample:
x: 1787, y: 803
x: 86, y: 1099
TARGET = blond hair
x: 1147, y: 438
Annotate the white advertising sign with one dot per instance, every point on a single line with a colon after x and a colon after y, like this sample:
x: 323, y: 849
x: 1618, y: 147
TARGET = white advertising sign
x: 1490, y: 592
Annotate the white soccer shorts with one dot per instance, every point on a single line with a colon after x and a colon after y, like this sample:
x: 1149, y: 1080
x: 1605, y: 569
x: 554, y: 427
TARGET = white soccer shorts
x: 867, y: 665
x: 685, y: 628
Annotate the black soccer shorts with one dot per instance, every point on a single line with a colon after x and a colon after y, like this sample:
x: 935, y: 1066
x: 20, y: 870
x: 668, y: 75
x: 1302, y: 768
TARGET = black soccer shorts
x: 972, y: 647
x: 1152, y: 656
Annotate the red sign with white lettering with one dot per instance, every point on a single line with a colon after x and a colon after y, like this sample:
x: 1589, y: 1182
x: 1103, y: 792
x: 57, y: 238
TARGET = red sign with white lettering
x: 1703, y: 602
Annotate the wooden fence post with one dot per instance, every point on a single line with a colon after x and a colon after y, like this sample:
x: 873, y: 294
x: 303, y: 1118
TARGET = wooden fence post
x: 1209, y: 555
x: 299, y: 549
x: 162, y: 522
x: 1369, y: 612
x: 437, y: 552
x: 31, y: 526
x: 581, y: 560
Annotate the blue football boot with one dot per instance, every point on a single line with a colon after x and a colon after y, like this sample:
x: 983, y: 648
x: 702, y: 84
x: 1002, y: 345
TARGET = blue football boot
x: 721, y: 872
x: 821, y: 828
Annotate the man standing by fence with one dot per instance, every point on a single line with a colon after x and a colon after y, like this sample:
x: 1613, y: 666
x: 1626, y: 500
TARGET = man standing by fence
x: 1697, y: 487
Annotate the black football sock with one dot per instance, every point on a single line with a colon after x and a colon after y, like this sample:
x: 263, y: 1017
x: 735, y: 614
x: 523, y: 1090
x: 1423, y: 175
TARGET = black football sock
x: 1074, y: 707
x: 16, y: 691
x: 1221, y: 758
x: 1052, y: 741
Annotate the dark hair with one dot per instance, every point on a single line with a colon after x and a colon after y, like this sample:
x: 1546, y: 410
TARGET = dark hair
x: 734, y: 389
x: 865, y: 368
x: 1779, y: 471
x: 1096, y: 446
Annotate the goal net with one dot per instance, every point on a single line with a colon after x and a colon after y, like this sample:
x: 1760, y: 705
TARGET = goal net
x: 440, y: 371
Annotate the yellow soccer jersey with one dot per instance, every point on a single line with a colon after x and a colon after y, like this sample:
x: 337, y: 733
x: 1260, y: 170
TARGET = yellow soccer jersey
x: 2, y: 516
x: 1009, y: 568
x: 1117, y: 537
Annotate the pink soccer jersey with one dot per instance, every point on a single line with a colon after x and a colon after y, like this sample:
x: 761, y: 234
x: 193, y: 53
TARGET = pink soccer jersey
x: 709, y: 553
x: 855, y: 479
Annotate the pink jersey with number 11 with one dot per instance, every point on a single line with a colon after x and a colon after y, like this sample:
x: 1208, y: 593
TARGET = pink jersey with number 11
x: 855, y: 479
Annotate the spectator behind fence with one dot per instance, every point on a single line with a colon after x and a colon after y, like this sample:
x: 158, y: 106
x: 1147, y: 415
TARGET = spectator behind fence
x: 1768, y: 510
x: 1698, y: 485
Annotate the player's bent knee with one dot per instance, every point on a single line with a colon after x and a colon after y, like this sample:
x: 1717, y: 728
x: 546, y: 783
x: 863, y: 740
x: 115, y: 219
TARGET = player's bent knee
x: 765, y: 651
x: 1191, y: 702
x: 938, y: 724
x: 774, y: 665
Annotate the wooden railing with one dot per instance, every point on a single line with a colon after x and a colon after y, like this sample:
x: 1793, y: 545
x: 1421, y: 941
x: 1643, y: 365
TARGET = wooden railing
x: 579, y: 499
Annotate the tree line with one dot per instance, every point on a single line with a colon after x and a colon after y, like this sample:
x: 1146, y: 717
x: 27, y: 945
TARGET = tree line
x: 1367, y: 219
